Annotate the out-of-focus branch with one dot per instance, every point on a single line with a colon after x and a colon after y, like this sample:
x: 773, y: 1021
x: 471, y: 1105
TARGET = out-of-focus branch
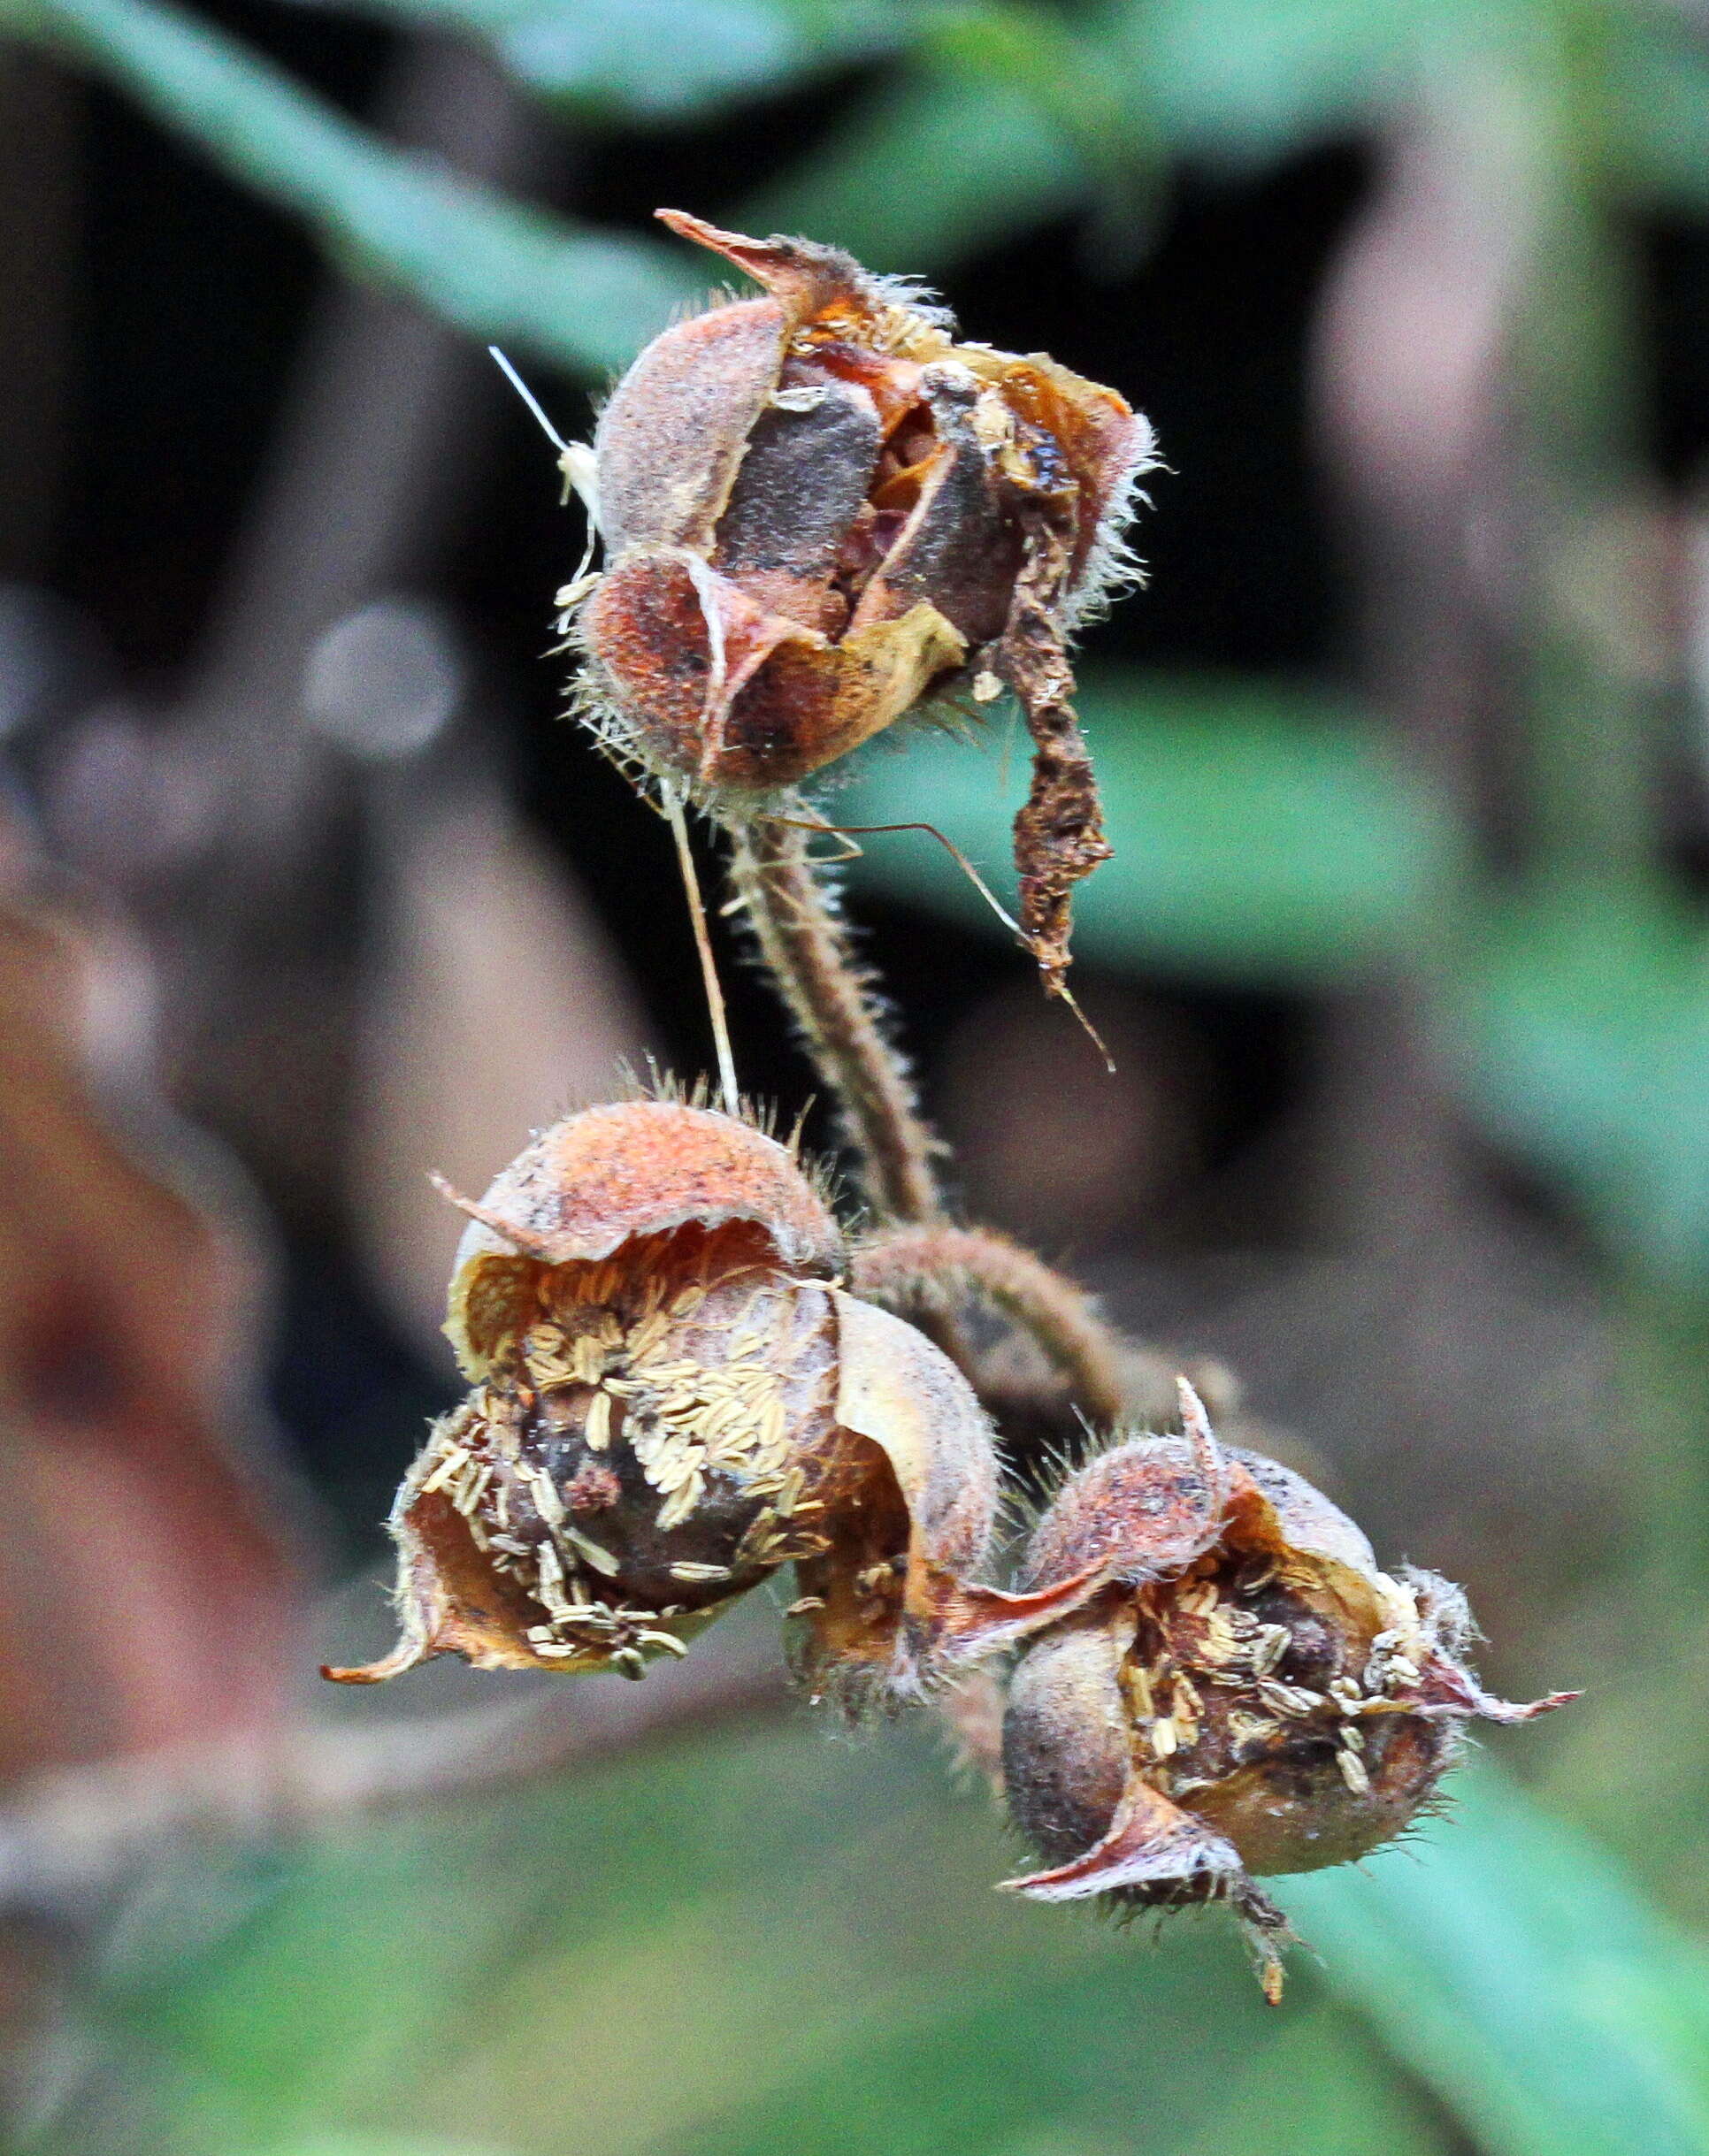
x: 1410, y: 356
x: 72, y: 1836
x: 379, y: 439
x: 384, y: 430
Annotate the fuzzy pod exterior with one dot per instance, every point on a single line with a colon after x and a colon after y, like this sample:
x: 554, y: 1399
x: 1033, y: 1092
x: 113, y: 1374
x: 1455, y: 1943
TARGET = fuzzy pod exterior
x: 1247, y: 1695
x: 670, y: 1398
x: 816, y: 510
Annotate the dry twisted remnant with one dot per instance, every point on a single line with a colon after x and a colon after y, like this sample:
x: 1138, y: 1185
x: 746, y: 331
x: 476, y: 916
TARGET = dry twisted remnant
x: 820, y: 511
x: 671, y: 1397
x: 1247, y: 1695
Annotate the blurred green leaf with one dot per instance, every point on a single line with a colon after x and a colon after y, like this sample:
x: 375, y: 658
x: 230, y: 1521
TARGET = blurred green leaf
x: 370, y: 2144
x: 1261, y: 834
x: 1512, y: 1966
x: 1235, y: 83
x: 489, y: 265
x: 994, y: 141
x: 1006, y: 118
x: 1659, y: 110
x: 1344, y: 2100
x: 1096, y: 111
x: 763, y: 1943
x: 1582, y: 1029
x: 1064, y: 2066
x: 666, y: 60
x: 1231, y: 84
x: 624, y: 1961
x: 930, y: 169
x: 1064, y: 74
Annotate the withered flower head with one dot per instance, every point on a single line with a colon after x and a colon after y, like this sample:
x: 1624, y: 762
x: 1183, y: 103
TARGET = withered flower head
x: 1247, y: 1695
x: 818, y: 509
x: 670, y: 1398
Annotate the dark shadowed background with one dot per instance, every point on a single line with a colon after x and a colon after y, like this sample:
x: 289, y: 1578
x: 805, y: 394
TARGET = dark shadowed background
x: 306, y: 888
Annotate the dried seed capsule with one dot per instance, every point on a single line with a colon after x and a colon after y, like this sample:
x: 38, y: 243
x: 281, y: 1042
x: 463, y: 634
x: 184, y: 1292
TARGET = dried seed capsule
x: 818, y: 508
x: 1248, y: 1693
x: 671, y: 1398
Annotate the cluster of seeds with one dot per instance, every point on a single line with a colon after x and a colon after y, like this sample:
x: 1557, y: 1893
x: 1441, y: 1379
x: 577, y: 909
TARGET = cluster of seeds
x: 1246, y: 1694
x: 819, y: 511
x: 671, y: 1397
x: 644, y: 1428
x: 1246, y: 1637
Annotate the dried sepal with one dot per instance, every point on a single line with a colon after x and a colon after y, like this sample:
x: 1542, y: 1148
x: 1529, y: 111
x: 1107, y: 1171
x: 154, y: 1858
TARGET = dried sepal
x: 1059, y: 830
x: 893, y: 1602
x: 716, y: 689
x: 611, y: 1176
x: 1246, y: 1694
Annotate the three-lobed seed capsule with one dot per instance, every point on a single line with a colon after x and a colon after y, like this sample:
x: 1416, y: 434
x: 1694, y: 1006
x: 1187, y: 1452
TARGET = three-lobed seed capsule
x: 815, y: 507
x: 671, y: 1396
x: 1247, y: 1694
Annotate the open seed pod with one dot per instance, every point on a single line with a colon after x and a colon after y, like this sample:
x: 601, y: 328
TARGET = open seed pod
x: 818, y: 508
x: 1248, y: 1693
x: 670, y: 1398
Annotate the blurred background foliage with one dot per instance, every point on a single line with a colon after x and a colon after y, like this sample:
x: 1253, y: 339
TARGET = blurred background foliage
x: 1403, y: 955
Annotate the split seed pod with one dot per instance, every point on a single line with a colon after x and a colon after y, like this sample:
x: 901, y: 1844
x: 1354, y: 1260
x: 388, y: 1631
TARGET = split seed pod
x: 670, y: 1398
x: 1247, y: 1695
x: 819, y: 510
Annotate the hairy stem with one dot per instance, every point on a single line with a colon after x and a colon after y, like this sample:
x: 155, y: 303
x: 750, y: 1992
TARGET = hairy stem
x: 935, y: 1269
x: 806, y: 947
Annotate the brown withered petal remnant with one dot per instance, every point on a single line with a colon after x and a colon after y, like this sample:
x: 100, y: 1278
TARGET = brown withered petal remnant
x: 672, y: 1396
x: 820, y: 511
x: 1247, y: 1695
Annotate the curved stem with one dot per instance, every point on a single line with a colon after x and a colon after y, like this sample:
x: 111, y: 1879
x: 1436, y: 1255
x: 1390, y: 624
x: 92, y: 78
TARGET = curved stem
x: 934, y: 1268
x: 92, y: 1829
x: 831, y: 995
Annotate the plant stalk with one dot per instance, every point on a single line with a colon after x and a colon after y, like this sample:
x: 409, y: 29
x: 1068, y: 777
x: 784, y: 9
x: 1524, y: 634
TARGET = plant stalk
x: 833, y: 999
x: 935, y: 1269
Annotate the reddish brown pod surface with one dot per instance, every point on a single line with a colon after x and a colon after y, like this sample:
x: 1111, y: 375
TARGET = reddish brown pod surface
x: 1248, y: 1694
x: 819, y: 509
x: 671, y: 1396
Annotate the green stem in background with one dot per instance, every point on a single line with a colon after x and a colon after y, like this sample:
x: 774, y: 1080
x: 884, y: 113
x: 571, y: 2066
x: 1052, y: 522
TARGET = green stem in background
x: 496, y: 268
x: 1576, y: 356
x: 832, y: 998
x: 1637, y: 1764
x: 1599, y: 671
x: 936, y: 1270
